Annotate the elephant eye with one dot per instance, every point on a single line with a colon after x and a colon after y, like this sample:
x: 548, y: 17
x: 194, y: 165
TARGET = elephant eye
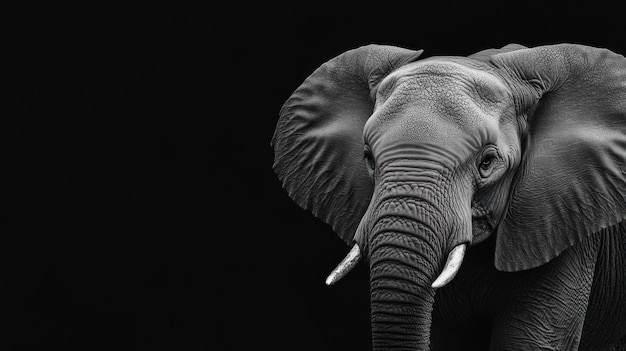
x: 486, y: 164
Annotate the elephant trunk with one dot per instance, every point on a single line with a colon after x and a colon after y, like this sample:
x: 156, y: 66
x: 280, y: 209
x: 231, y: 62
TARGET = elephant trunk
x: 410, y: 254
x: 401, y: 293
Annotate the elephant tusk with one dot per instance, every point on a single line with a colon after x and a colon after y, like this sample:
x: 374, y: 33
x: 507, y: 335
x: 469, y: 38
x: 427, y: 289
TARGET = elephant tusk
x: 352, y: 258
x: 455, y: 258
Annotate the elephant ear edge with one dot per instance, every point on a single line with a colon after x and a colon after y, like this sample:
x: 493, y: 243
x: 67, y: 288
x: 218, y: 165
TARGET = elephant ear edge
x: 571, y: 182
x: 318, y: 140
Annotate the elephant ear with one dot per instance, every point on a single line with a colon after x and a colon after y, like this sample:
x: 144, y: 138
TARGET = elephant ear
x: 571, y: 182
x: 318, y: 141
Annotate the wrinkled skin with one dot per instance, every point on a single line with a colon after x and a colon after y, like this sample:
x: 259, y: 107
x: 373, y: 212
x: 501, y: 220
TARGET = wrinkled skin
x: 518, y: 153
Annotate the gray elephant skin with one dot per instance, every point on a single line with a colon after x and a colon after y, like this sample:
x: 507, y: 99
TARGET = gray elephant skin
x: 486, y: 191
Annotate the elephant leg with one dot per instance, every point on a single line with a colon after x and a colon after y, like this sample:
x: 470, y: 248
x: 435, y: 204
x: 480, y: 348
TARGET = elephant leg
x: 546, y: 306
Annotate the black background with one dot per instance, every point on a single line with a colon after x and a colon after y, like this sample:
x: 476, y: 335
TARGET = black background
x: 140, y: 210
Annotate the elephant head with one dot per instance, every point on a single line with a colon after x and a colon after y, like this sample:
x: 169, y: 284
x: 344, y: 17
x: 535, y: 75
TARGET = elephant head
x: 411, y: 161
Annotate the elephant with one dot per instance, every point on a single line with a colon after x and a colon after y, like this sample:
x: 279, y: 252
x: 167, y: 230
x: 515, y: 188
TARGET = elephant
x: 486, y: 193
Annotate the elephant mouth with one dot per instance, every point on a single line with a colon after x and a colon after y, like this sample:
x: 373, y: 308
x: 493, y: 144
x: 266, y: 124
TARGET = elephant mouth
x: 482, y: 223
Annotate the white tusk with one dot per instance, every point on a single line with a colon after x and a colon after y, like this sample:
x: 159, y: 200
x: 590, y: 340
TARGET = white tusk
x: 455, y: 258
x: 352, y: 258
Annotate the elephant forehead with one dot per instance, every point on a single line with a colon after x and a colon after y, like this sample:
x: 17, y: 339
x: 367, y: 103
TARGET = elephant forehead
x: 438, y: 100
x: 451, y: 84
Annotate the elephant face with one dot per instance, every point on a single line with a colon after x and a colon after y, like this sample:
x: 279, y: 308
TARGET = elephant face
x: 412, y: 161
x: 455, y: 115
